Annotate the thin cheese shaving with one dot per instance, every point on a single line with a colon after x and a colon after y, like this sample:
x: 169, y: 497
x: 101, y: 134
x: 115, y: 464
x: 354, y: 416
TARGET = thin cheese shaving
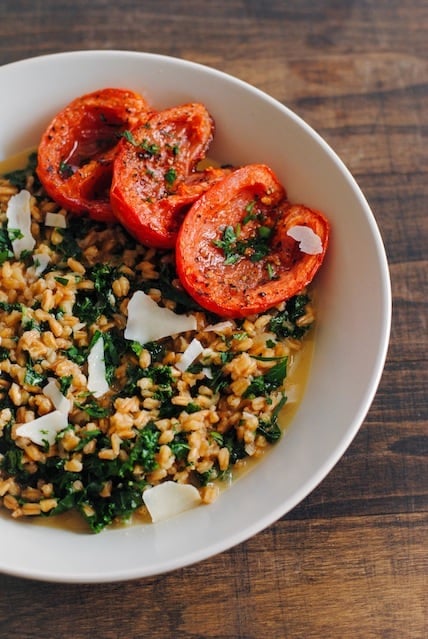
x: 97, y: 382
x: 194, y: 349
x: 220, y: 327
x: 45, y: 428
x: 309, y: 241
x: 18, y: 215
x: 56, y: 219
x: 207, y: 372
x: 59, y: 401
x: 148, y: 322
x: 41, y: 261
x: 169, y: 499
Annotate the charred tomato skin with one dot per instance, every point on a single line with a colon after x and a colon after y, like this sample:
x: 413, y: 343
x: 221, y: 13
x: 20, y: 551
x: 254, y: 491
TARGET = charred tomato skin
x: 77, y: 149
x: 155, y: 176
x: 233, y: 253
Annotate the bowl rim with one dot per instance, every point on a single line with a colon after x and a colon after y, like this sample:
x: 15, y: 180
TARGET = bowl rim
x: 371, y: 386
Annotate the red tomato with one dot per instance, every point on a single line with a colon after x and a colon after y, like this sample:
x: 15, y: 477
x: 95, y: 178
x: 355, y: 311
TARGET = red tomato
x: 233, y: 252
x: 76, y: 151
x: 154, y: 176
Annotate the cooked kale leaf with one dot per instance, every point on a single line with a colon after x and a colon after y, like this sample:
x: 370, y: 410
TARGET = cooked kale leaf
x: 284, y: 324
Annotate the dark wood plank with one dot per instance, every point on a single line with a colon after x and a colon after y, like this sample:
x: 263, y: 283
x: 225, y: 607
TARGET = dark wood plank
x: 311, y: 582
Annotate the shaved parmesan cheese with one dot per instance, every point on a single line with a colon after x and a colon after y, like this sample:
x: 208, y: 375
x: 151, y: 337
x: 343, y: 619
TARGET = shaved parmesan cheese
x: 97, y: 382
x: 44, y: 428
x: 207, y: 372
x: 309, y: 241
x: 41, y: 261
x: 18, y: 215
x: 148, y: 322
x: 220, y: 327
x: 56, y: 219
x: 169, y: 499
x: 194, y: 349
x: 60, y: 402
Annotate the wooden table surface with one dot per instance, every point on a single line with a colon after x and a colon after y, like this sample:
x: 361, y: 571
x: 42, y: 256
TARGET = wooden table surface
x: 351, y: 560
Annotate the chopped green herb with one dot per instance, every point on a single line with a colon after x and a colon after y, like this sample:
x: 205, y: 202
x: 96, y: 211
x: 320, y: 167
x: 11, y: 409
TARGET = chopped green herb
x: 90, y: 305
x: 76, y: 355
x: 14, y: 234
x: 270, y: 428
x: 33, y: 377
x: 228, y: 244
x: 192, y: 407
x: 143, y: 451
x: 137, y: 348
x: 129, y: 137
x: 217, y: 437
x: 65, y: 383
x: 150, y: 149
x: 271, y: 271
x: 284, y: 323
x: 271, y: 380
x: 235, y: 446
x: 255, y: 247
x: 264, y: 232
x: 8, y: 307
x: 91, y: 408
x: 66, y: 170
x: 170, y: 176
x: 179, y: 446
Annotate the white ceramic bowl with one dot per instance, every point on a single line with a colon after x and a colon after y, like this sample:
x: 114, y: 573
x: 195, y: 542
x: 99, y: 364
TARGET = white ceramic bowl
x: 353, y: 310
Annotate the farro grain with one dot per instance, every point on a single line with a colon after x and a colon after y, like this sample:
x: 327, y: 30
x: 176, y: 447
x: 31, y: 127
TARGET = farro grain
x: 10, y: 502
x: 157, y: 475
x: 166, y: 436
x: 209, y: 493
x: 106, y: 489
x: 47, y: 505
x: 47, y: 490
x: 73, y: 465
x: 76, y: 266
x: 107, y: 453
x: 5, y: 486
x: 223, y: 458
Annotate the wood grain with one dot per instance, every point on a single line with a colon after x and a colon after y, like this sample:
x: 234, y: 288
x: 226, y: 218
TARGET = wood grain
x: 318, y: 581
x: 350, y: 561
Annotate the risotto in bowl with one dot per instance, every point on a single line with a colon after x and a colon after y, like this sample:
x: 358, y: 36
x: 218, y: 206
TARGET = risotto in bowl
x: 181, y: 317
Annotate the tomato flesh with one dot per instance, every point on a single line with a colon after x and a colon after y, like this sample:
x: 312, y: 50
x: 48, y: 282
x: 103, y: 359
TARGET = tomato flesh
x: 76, y: 152
x: 233, y: 253
x: 155, y: 178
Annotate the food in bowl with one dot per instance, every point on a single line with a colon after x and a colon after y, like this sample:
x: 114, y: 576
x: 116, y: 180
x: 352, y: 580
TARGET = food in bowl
x: 250, y: 127
x: 153, y: 313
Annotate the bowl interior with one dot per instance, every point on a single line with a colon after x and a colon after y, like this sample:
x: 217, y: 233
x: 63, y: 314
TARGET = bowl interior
x: 353, y: 325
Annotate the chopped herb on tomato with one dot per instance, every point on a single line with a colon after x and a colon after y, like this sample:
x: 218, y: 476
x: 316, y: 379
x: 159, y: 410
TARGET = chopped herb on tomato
x: 171, y: 176
x: 262, y: 264
x: 147, y: 166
